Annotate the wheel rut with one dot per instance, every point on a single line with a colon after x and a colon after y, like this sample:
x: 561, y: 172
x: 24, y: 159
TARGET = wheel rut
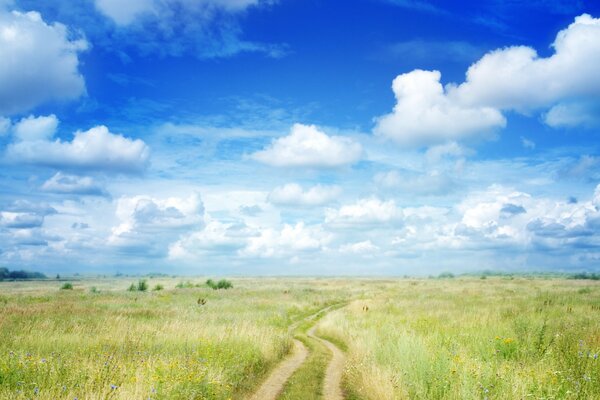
x: 272, y: 387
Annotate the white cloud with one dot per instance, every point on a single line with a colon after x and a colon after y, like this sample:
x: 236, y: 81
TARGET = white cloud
x: 20, y: 220
x: 151, y: 224
x: 292, y: 194
x: 424, y: 113
x: 364, y: 211
x: 451, y: 149
x: 96, y: 148
x: 36, y: 128
x: 202, y: 28
x: 125, y: 13
x: 216, y: 238
x: 516, y: 78
x: 527, y: 143
x: 359, y: 247
x: 39, y: 62
x: 72, y: 184
x: 572, y: 114
x: 291, y: 239
x: 428, y: 183
x: 307, y: 146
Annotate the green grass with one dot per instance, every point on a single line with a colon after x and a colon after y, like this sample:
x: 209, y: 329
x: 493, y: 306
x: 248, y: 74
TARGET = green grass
x: 307, y: 382
x: 159, y: 344
x: 460, y: 338
x: 473, y: 339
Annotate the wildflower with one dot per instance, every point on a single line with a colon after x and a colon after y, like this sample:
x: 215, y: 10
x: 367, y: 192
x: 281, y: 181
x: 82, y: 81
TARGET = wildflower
x: 36, y: 390
x: 43, y: 360
x: 113, y: 387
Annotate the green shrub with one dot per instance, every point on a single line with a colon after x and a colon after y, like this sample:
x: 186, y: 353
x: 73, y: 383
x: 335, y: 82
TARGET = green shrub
x: 158, y: 287
x: 67, y: 286
x: 184, y: 285
x: 211, y: 284
x: 222, y: 284
x: 142, y: 285
x: 132, y: 288
x: 94, y: 289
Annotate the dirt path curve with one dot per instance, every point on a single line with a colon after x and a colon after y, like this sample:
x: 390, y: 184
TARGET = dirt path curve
x: 332, y: 385
x: 272, y: 387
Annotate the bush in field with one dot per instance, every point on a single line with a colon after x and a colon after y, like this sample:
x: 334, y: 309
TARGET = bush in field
x: 446, y: 275
x: 222, y: 284
x: 67, y: 286
x: 184, y: 285
x: 141, y: 286
x: 158, y: 287
x: 94, y: 289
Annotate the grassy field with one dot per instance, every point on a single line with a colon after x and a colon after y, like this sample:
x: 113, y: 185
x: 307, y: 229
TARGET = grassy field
x: 472, y: 339
x: 466, y: 338
x: 108, y: 342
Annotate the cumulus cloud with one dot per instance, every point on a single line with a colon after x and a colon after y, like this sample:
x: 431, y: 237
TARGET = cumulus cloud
x: 73, y: 184
x: 96, y: 148
x: 364, y: 212
x: 516, y: 78
x: 39, y: 62
x: 563, y: 86
x: 216, y: 237
x: 152, y: 224
x: 36, y: 128
x: 307, y: 146
x: 289, y: 240
x: 424, y: 113
x: 292, y: 194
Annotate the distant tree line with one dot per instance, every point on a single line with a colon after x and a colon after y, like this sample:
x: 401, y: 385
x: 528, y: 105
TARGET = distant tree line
x: 5, y: 274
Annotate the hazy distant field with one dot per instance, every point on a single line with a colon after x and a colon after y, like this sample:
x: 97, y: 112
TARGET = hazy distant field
x: 492, y: 338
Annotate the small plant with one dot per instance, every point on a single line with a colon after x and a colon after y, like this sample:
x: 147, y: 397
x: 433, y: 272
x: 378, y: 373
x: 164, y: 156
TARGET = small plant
x: 222, y: 284
x: 67, y: 286
x: 94, y: 289
x: 142, y: 285
x: 158, y: 287
x: 184, y: 285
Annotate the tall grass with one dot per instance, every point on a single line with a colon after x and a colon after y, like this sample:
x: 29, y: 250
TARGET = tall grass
x: 472, y: 339
x: 117, y: 344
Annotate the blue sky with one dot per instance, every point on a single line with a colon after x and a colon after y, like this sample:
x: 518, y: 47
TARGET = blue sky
x: 299, y: 137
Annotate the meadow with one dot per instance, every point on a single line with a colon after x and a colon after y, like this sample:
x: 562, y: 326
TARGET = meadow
x: 461, y: 338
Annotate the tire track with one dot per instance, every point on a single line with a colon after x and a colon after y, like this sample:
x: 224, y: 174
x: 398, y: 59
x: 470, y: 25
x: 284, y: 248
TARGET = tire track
x: 273, y: 385
x: 332, y: 385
